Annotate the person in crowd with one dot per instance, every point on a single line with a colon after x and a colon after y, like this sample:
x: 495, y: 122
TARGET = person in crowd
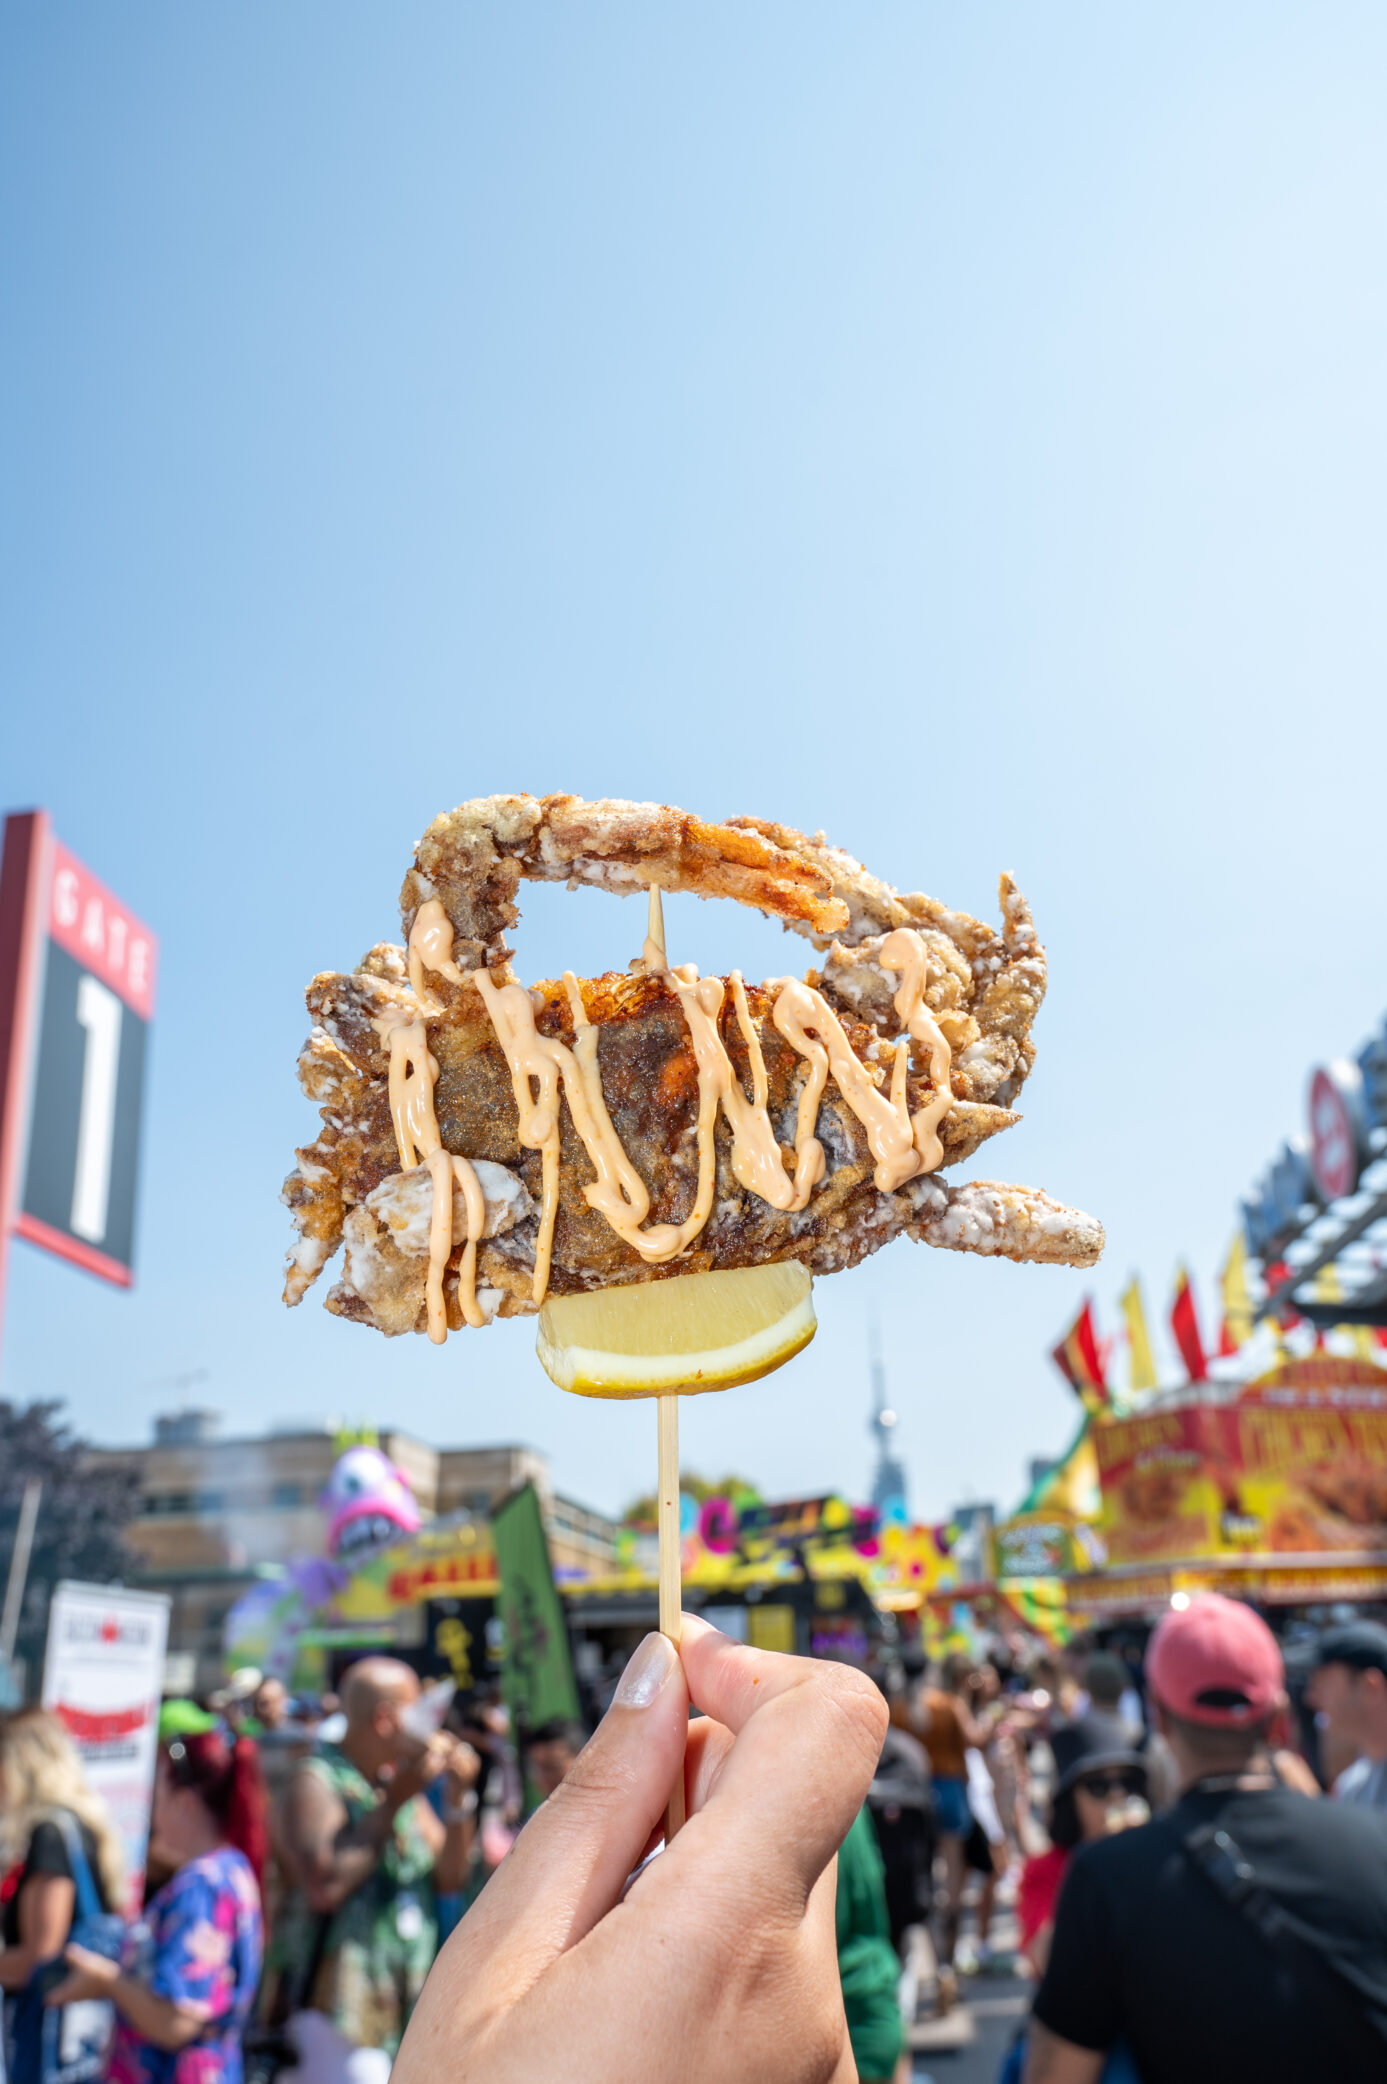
x: 283, y: 1736
x: 902, y: 1807
x: 947, y: 1727
x: 1056, y: 1692
x: 1110, y: 1692
x: 1244, y: 1933
x: 1349, y: 1690
x: 186, y: 1985
x: 868, y: 1967
x: 1005, y: 1757
x: 234, y: 1701
x: 269, y: 1707
x: 1290, y: 1765
x: 357, y: 1929
x: 1099, y: 1777
x: 41, y: 1787
x: 561, y: 1971
x: 985, y: 1848
x: 549, y: 1752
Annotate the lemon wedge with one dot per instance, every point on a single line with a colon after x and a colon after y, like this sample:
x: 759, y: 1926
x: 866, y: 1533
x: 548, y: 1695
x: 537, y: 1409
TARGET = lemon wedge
x: 687, y: 1333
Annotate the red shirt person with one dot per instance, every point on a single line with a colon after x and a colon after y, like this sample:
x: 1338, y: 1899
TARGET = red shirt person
x: 1100, y: 1787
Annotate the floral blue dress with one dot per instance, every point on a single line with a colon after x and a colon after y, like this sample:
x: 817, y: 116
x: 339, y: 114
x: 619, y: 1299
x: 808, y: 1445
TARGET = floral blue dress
x: 198, y: 1946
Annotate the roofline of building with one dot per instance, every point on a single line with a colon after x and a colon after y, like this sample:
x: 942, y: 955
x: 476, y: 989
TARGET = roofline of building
x: 308, y: 1433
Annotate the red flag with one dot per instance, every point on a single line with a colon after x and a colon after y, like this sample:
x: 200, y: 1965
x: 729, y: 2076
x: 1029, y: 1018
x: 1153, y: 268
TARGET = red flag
x: 1184, y: 1322
x: 1081, y: 1358
x: 1277, y: 1275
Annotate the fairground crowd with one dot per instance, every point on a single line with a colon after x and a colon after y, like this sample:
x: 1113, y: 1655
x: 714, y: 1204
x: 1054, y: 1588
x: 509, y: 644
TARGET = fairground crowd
x: 1196, y: 1864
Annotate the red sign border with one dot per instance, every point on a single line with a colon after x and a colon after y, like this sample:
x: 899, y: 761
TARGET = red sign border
x: 36, y: 1232
x: 23, y: 908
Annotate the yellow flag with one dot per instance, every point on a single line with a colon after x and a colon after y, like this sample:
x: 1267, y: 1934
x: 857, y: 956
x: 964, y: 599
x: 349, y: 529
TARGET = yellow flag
x: 1074, y: 1486
x: 1143, y: 1366
x: 1237, y: 1303
x: 1329, y: 1288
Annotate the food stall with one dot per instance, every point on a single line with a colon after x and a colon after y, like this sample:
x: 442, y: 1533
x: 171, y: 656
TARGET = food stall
x: 1275, y: 1489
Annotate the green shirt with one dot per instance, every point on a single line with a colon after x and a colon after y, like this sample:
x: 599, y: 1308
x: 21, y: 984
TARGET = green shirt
x: 380, y: 1943
x: 867, y: 1963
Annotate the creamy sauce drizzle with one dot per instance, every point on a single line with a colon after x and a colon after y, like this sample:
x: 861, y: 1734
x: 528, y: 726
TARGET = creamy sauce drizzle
x: 431, y: 948
x: 902, y: 1145
x: 413, y: 1075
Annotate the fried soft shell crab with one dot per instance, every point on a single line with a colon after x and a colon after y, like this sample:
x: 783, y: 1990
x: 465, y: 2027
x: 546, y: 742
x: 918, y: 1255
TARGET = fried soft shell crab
x: 843, y: 1097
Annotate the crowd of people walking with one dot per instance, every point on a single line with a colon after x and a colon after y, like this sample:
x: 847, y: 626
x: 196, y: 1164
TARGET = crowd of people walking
x: 1155, y: 1830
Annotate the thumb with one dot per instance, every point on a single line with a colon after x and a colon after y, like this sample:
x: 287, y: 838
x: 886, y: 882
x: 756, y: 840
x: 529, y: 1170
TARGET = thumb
x: 570, y: 1863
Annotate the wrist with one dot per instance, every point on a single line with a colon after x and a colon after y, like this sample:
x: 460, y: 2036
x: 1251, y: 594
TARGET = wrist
x: 463, y: 1810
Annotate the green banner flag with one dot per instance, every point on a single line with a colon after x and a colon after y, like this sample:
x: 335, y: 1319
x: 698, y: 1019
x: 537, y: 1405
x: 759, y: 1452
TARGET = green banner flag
x: 537, y: 1674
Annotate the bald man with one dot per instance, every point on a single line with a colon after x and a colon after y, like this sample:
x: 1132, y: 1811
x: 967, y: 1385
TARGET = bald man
x: 364, y: 1854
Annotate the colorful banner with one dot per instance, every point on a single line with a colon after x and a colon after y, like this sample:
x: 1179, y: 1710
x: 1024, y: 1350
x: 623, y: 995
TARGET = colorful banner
x: 727, y: 1526
x: 1042, y: 1606
x: 729, y: 1545
x: 947, y: 1627
x: 102, y: 1677
x: 537, y: 1675
x: 1296, y: 1463
x: 1160, y: 1497
x: 1271, y: 1584
x: 319, y: 1600
x: 1033, y: 1545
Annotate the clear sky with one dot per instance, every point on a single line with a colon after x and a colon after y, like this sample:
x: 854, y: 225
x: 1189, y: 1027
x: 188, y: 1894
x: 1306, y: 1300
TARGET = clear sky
x: 960, y: 428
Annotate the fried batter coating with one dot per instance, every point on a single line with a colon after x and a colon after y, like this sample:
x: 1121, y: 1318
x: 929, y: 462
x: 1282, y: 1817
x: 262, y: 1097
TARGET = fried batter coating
x: 983, y: 989
x: 985, y: 993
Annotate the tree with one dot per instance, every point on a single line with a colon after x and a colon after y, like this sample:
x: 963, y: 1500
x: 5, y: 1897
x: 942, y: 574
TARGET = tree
x: 83, y: 1512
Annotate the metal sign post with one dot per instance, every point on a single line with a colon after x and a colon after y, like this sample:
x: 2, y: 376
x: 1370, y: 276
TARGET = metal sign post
x: 23, y: 885
x: 19, y: 1570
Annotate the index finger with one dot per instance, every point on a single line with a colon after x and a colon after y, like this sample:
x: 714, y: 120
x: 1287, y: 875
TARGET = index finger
x: 808, y: 1735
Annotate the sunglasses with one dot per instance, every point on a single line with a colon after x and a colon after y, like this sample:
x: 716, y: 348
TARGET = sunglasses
x: 1104, y: 1786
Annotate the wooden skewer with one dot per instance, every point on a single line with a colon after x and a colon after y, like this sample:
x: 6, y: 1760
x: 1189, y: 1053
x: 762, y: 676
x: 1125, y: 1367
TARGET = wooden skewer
x: 667, y: 1410
x: 653, y: 953
x: 670, y: 1599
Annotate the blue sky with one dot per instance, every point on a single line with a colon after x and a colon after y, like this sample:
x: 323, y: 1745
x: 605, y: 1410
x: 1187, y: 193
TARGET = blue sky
x: 962, y: 429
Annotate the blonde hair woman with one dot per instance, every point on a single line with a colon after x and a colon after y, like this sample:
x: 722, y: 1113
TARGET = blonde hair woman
x: 40, y: 1777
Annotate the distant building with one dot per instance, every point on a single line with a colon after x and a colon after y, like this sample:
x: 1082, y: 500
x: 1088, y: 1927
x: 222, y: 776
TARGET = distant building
x: 975, y: 1522
x: 215, y: 1513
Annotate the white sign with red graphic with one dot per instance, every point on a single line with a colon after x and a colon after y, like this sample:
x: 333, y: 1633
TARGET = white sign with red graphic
x: 1337, y: 1139
x: 102, y: 1676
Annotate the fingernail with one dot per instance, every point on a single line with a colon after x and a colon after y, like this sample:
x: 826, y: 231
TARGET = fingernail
x: 652, y: 1664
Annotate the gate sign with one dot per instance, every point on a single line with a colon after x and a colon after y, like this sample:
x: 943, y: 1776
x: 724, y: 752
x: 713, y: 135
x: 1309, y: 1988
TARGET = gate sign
x: 81, y: 997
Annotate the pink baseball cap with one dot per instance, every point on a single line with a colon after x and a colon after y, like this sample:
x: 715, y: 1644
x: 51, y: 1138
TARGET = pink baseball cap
x: 1216, y: 1663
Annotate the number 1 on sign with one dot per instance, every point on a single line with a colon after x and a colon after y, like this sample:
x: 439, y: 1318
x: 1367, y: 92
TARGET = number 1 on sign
x: 99, y: 1012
